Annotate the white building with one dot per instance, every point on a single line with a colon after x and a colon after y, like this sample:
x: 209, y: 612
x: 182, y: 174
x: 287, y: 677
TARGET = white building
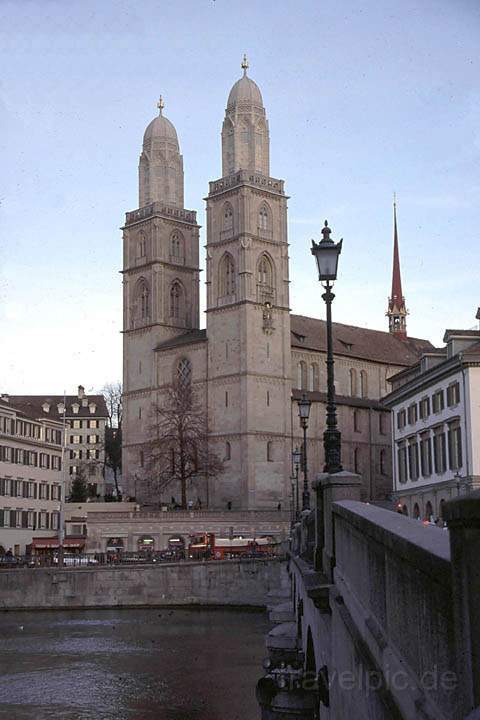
x: 85, y: 418
x: 436, y: 426
x: 30, y: 477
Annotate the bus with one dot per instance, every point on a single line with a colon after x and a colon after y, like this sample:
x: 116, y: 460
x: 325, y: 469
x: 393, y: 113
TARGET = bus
x: 208, y: 546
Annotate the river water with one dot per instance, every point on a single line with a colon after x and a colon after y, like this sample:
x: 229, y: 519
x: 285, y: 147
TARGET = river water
x: 158, y: 664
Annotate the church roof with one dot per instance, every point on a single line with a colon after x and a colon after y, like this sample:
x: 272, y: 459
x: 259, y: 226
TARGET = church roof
x: 193, y: 336
x: 356, y: 342
x: 161, y: 127
x: 245, y: 90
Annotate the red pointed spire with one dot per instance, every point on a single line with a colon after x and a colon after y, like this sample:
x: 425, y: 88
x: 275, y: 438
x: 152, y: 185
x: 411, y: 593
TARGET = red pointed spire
x: 397, y: 312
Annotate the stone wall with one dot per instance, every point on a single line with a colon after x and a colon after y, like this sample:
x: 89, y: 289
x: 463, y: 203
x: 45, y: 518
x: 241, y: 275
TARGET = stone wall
x: 230, y: 582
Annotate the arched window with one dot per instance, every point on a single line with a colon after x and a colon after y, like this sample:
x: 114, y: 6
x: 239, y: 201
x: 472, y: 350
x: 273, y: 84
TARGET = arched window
x: 263, y: 218
x: 353, y: 381
x: 428, y: 511
x: 363, y: 383
x: 228, y: 451
x: 227, y: 276
x: 416, y: 511
x: 356, y: 420
x: 176, y: 300
x: 184, y: 372
x: 141, y: 246
x: 302, y: 375
x: 313, y: 379
x: 227, y: 217
x: 265, y: 271
x: 176, y: 245
x: 142, y: 300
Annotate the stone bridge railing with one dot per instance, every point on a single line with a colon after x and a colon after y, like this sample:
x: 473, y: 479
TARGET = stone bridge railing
x: 383, y: 621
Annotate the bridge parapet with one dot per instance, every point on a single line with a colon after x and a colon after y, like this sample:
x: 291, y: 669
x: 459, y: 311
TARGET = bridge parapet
x: 386, y: 608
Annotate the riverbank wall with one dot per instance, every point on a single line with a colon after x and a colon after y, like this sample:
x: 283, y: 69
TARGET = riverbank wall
x: 245, y: 583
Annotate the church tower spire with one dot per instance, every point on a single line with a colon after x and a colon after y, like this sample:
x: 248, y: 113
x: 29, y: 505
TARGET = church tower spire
x: 397, y: 312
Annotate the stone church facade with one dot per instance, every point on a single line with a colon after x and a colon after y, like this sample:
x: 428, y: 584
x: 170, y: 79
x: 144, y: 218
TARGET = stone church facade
x: 254, y: 358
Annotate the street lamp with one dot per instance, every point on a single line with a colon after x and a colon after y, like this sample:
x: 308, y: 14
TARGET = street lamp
x: 304, y: 405
x: 296, y: 457
x: 326, y: 254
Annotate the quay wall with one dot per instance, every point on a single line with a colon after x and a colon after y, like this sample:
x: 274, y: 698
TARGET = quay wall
x: 219, y: 582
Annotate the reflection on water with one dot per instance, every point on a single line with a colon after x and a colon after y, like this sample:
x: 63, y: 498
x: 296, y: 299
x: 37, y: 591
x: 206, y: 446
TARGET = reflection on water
x: 130, y: 665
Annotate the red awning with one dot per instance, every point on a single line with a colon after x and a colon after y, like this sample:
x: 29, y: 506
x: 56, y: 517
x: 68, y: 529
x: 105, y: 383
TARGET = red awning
x: 42, y: 543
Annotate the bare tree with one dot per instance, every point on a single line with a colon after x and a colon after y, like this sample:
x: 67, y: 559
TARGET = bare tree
x: 112, y: 393
x: 178, y: 449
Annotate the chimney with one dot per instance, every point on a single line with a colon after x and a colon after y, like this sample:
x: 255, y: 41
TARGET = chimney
x: 81, y: 392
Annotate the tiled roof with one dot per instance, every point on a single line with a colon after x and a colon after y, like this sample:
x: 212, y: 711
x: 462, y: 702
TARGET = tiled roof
x: 357, y: 342
x: 31, y: 405
x: 193, y: 336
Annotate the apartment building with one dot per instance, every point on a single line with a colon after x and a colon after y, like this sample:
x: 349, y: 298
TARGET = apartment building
x: 436, y: 426
x: 30, y: 477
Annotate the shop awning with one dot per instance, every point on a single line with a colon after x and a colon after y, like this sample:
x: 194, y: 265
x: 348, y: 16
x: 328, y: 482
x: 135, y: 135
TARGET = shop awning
x: 45, y: 543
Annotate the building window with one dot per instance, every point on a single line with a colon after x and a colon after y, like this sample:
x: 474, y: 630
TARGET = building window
x: 429, y: 511
x: 455, y: 446
x: 412, y: 414
x: 76, y: 424
x: 353, y: 382
x: 139, y: 413
x: 425, y: 455
x: 402, y: 463
x: 364, y: 384
x: 383, y: 462
x: 227, y: 276
x: 176, y: 246
x: 438, y: 401
x: 302, y: 375
x: 270, y: 451
x: 92, y: 439
x: 226, y: 398
x: 439, y: 451
x: 228, y: 451
x: 401, y: 419
x: 176, y: 300
x: 356, y: 420
x: 141, y: 458
x: 313, y: 380
x: 356, y: 460
x: 268, y: 398
x: 424, y: 406
x: 184, y: 373
x: 382, y: 423
x: 227, y: 217
x: 453, y: 394
x: 92, y: 424
x: 416, y: 511
x: 413, y: 459
x: 265, y: 272
x: 263, y: 217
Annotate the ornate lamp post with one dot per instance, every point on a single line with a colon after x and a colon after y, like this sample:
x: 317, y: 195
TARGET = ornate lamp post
x: 296, y: 457
x: 304, y: 413
x: 326, y: 254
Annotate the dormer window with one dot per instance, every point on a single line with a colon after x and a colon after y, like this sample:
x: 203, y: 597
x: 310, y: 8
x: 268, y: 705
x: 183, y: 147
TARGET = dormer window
x: 46, y: 407
x: 92, y: 407
x: 346, y: 345
x: 84, y: 402
x: 60, y: 408
x: 75, y: 408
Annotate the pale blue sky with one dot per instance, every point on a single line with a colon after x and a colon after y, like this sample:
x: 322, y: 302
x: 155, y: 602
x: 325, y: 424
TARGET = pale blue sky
x: 362, y: 99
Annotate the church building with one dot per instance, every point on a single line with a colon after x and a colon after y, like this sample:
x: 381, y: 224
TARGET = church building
x: 254, y: 359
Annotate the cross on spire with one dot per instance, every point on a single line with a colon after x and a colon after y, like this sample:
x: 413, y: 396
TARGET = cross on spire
x: 244, y: 65
x: 160, y: 104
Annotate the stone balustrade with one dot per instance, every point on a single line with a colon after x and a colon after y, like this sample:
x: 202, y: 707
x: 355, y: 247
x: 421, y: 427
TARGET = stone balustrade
x: 386, y: 612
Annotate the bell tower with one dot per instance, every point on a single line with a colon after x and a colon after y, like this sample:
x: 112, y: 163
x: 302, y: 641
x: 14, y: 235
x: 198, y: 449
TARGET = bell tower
x: 248, y: 316
x: 397, y: 311
x: 160, y: 274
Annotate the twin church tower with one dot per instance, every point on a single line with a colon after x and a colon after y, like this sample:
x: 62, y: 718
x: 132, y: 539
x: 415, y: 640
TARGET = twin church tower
x: 246, y: 362
x: 240, y: 366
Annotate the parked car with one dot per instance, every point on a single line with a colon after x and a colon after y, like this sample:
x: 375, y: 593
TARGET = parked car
x: 10, y: 561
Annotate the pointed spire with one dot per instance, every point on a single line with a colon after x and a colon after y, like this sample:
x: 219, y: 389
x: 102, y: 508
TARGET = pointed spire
x: 160, y: 105
x: 244, y: 64
x: 397, y: 312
